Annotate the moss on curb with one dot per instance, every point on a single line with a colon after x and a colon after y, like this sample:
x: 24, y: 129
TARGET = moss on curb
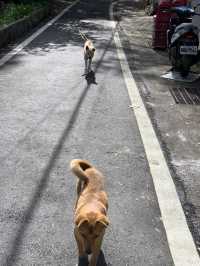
x: 13, y: 12
x: 11, y: 32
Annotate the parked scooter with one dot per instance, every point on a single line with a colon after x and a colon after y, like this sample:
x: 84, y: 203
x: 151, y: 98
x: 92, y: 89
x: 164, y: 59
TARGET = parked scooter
x: 183, y: 40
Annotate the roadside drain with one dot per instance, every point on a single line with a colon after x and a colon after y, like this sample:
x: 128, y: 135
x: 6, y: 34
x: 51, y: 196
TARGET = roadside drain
x: 186, y: 95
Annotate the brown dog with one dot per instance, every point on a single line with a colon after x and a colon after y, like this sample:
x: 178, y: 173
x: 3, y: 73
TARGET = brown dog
x: 88, y: 54
x: 89, y: 51
x: 90, y: 210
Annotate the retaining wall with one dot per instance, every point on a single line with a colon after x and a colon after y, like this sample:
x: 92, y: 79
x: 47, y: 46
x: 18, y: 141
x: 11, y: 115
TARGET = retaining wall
x: 20, y: 27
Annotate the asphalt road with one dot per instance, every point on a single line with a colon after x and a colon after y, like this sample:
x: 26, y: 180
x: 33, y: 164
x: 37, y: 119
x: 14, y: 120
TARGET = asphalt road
x: 49, y: 115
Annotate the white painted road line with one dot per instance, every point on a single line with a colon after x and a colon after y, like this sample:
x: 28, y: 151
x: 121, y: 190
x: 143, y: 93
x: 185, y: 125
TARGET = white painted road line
x: 17, y: 49
x: 179, y: 237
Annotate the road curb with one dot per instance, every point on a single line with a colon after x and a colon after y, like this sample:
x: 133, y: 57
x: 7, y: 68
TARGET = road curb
x: 18, y: 28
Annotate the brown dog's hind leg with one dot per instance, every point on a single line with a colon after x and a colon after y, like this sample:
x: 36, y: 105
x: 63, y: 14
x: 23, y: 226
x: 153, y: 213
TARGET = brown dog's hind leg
x: 79, y: 188
x: 78, y: 191
x: 86, y: 65
x: 89, y: 65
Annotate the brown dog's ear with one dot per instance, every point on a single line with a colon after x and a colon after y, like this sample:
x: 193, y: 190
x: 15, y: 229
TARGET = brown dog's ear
x: 80, y: 221
x: 103, y: 221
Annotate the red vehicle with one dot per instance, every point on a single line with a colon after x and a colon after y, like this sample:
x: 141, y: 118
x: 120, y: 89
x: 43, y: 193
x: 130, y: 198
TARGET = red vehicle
x: 161, y: 22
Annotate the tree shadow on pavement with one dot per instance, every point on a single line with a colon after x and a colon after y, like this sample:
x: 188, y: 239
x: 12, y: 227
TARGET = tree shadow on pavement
x: 65, y: 31
x: 10, y: 259
x: 63, y: 35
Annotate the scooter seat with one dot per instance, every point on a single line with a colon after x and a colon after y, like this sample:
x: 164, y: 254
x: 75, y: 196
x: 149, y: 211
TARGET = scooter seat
x: 182, y: 29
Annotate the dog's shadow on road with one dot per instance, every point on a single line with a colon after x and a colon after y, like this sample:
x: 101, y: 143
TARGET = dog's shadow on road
x: 91, y: 78
x: 101, y: 261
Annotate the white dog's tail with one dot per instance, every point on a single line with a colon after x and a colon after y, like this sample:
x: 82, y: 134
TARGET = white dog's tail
x: 78, y: 167
x: 83, y: 36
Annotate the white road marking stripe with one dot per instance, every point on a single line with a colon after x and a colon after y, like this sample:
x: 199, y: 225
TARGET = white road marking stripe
x: 17, y: 49
x: 179, y: 237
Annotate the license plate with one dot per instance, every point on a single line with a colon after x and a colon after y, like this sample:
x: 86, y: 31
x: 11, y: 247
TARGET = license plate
x: 190, y: 50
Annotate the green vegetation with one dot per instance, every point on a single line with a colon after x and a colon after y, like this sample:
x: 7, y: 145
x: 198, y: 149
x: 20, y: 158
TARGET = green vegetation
x: 14, y: 11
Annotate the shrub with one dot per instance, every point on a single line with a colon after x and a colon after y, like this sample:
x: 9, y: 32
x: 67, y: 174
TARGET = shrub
x: 19, y: 9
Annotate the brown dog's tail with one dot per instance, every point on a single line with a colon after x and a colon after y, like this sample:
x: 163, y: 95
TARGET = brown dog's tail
x: 83, y: 36
x: 78, y: 167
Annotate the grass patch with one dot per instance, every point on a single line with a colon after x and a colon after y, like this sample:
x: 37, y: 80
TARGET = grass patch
x: 13, y: 12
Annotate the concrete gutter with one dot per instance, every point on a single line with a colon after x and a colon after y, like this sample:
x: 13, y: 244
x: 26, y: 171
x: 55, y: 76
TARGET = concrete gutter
x: 18, y: 28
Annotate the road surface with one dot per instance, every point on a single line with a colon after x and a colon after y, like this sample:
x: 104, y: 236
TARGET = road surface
x: 49, y: 115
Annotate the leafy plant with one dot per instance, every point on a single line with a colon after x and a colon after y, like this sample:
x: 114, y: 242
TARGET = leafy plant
x: 14, y: 11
